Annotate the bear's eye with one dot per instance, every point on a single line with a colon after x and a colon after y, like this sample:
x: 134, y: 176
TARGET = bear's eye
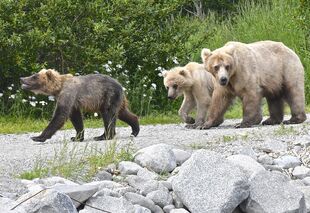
x: 35, y: 77
x: 216, y: 67
x: 167, y: 88
x: 175, y: 86
x: 227, y: 67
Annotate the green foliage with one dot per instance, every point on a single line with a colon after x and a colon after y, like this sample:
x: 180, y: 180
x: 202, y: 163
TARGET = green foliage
x: 132, y: 41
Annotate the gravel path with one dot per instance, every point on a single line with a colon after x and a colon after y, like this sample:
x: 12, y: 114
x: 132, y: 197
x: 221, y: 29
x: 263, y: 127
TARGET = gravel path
x: 19, y: 153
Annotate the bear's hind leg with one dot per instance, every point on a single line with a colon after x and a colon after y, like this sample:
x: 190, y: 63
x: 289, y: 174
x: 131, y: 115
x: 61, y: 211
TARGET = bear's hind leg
x: 295, y: 98
x: 77, y: 121
x: 275, y: 107
x: 109, y: 120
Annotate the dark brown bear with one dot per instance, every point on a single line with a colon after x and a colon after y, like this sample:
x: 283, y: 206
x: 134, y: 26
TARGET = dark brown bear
x: 92, y: 93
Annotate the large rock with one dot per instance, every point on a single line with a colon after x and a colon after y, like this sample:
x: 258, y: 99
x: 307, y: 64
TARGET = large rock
x: 160, y: 197
x: 158, y: 158
x: 48, y: 201
x: 306, y: 191
x: 301, y: 172
x: 209, y: 181
x: 287, y: 161
x: 145, y: 186
x: 271, y: 192
x: 247, y: 163
x: 51, y: 181
x: 141, y: 200
x: 108, y: 204
x: 80, y: 193
x: 128, y: 168
x: 147, y: 174
x: 7, y: 204
x: 181, y: 156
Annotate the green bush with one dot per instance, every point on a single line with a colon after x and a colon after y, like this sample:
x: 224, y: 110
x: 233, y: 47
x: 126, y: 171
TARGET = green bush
x: 132, y: 41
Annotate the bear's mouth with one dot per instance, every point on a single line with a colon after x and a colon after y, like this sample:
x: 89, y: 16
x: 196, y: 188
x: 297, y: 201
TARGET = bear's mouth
x: 25, y: 85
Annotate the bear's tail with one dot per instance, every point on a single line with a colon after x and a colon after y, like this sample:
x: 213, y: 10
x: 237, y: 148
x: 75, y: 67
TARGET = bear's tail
x: 128, y: 117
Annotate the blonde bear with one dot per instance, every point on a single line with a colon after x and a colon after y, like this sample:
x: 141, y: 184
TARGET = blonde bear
x: 252, y: 71
x: 197, y: 85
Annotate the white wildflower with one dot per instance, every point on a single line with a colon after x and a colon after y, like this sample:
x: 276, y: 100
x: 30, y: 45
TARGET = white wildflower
x: 12, y: 85
x: 10, y: 88
x: 1, y: 94
x: 24, y: 100
x: 139, y: 67
x: 154, y: 85
x: 51, y: 98
x: 109, y: 62
x: 43, y: 103
x: 96, y: 114
x: 126, y: 71
x: 32, y: 103
x: 175, y: 60
x: 144, y: 95
x: 119, y: 66
x: 144, y: 85
x: 124, y: 89
x: 160, y: 74
x: 12, y: 96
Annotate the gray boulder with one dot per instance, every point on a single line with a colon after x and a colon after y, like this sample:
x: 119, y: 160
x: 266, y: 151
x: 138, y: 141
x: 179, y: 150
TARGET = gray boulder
x: 141, y: 200
x: 147, y: 174
x: 247, y: 163
x: 306, y: 191
x: 301, y: 172
x: 167, y: 209
x: 158, y: 158
x: 102, y: 175
x: 271, y: 192
x: 141, y: 209
x: 128, y: 168
x: 7, y: 204
x: 179, y: 211
x: 160, y: 197
x: 287, y: 161
x: 209, y: 181
x: 105, y: 184
x: 109, y: 204
x: 80, y: 193
x: 49, y: 201
x: 143, y: 185
x: 181, y: 156
x: 265, y: 159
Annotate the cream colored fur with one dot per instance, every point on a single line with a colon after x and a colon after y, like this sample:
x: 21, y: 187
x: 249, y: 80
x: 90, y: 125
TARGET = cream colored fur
x: 197, y: 85
x: 261, y: 69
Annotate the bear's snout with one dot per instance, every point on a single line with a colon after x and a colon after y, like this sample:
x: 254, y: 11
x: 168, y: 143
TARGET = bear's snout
x: 170, y: 97
x: 223, y: 81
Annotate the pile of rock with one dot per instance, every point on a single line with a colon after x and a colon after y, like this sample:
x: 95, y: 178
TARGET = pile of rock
x: 165, y: 179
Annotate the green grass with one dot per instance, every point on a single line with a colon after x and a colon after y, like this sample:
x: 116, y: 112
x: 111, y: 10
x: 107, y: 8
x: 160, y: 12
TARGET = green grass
x: 16, y: 125
x: 77, y: 163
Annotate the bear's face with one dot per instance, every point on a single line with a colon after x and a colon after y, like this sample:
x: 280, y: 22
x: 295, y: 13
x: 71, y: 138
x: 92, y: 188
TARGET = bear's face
x: 220, y: 64
x: 45, y: 82
x: 175, y: 81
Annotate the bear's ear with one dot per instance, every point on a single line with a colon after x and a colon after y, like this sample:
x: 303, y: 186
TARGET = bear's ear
x: 183, y: 72
x: 50, y: 74
x: 164, y: 73
x: 205, y: 54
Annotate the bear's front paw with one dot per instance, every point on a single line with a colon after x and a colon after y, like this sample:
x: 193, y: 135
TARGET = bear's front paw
x: 38, y: 139
x: 191, y: 126
x: 243, y: 125
x: 80, y: 139
x: 206, y: 125
x: 189, y: 120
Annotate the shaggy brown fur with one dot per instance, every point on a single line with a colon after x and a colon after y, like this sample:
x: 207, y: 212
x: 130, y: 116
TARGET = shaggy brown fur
x: 253, y: 71
x: 93, y: 93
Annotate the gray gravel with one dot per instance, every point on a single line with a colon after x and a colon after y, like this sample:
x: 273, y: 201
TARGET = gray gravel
x: 19, y: 153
